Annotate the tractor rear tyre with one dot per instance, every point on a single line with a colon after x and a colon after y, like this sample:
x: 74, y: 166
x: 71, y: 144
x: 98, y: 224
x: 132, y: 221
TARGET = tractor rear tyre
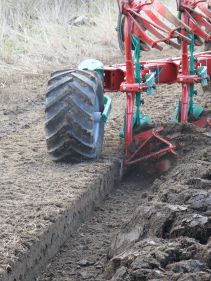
x: 120, y: 32
x: 73, y: 125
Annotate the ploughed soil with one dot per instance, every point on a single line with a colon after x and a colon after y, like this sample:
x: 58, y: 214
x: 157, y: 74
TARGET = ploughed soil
x: 34, y: 191
x: 168, y: 235
x: 153, y: 226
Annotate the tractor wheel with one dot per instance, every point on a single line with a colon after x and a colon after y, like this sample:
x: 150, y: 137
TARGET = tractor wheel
x: 207, y: 46
x: 120, y: 32
x: 73, y: 125
x: 120, y: 35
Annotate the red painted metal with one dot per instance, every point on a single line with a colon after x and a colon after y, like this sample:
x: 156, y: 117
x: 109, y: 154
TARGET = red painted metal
x: 133, y: 88
x: 167, y: 70
x: 202, y: 21
x: 130, y: 79
x: 187, y: 79
x: 147, y: 134
x: 144, y: 151
x: 142, y: 21
x: 203, y: 122
x: 185, y: 72
x: 139, y: 32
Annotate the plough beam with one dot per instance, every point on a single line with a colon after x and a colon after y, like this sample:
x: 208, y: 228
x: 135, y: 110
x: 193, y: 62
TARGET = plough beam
x: 149, y: 24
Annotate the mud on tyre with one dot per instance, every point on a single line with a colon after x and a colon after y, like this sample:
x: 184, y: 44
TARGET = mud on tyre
x: 73, y: 126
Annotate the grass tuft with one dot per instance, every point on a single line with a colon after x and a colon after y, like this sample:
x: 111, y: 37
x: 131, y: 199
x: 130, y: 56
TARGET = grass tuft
x: 39, y: 35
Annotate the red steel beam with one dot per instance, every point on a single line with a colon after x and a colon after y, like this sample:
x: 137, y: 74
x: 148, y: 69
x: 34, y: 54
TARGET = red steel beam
x: 167, y: 70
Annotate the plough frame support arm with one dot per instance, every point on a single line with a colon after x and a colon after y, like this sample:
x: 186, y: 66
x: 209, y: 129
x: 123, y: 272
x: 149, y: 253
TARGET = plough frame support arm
x: 143, y: 23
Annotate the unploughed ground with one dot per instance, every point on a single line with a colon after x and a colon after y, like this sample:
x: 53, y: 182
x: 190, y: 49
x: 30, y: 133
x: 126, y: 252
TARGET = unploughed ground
x: 34, y: 191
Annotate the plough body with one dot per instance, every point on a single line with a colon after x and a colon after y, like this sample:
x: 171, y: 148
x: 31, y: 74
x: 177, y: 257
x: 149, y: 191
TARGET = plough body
x: 76, y: 107
x: 148, y: 24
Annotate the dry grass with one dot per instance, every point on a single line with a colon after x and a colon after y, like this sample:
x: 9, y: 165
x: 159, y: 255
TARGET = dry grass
x: 38, y: 35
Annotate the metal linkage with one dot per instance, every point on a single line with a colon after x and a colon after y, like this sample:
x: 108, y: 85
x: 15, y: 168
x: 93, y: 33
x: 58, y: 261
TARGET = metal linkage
x: 145, y: 144
x: 148, y: 24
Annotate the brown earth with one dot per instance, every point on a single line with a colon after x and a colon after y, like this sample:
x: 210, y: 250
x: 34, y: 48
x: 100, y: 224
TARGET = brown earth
x: 35, y: 191
x: 168, y: 237
x: 152, y: 227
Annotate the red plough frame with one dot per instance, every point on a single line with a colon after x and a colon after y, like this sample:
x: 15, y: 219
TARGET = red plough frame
x: 154, y: 24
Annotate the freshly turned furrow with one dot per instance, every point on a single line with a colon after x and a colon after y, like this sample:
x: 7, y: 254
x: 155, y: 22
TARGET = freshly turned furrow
x: 84, y: 255
x: 150, y: 227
